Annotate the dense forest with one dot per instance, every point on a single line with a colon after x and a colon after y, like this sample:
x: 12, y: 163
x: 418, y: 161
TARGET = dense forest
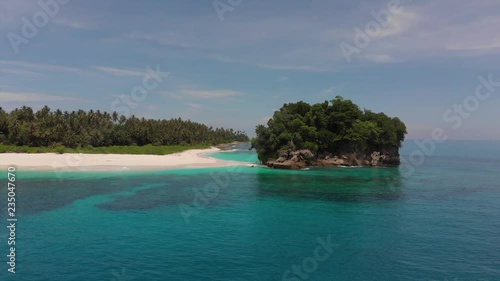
x: 338, y: 126
x: 43, y: 128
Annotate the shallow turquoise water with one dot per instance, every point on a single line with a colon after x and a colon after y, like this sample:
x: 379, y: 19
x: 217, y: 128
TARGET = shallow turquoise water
x: 241, y: 154
x: 241, y: 223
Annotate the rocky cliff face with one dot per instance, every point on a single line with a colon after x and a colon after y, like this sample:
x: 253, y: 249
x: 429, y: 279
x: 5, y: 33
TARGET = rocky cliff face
x: 300, y: 159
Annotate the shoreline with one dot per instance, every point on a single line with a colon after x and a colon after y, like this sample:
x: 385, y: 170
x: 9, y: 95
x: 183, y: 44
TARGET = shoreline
x: 195, y: 158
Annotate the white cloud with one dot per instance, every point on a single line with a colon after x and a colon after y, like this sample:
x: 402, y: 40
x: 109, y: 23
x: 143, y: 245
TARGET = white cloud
x: 472, y: 47
x: 194, y: 105
x: 282, y: 78
x: 21, y: 72
x: 40, y: 66
x: 307, y: 39
x: 203, y: 94
x: 381, y: 58
x: 290, y: 67
x: 439, y: 28
x: 400, y: 23
x: 121, y: 72
x: 221, y: 58
x: 31, y: 97
x: 474, y: 36
x: 73, y: 23
x: 167, y: 38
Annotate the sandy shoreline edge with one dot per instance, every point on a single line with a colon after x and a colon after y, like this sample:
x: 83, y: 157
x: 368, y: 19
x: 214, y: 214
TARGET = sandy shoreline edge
x: 195, y: 158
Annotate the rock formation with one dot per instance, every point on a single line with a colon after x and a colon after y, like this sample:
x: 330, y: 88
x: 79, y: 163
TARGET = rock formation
x: 300, y: 159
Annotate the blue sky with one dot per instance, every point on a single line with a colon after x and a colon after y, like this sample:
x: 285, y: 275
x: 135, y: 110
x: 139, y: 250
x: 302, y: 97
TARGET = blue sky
x: 235, y: 70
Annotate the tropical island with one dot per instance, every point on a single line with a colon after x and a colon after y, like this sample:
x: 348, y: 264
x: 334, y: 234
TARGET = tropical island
x: 25, y: 131
x: 332, y: 133
x: 96, y: 140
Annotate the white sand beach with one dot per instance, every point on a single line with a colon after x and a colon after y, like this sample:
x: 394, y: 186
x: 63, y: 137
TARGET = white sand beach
x: 196, y: 158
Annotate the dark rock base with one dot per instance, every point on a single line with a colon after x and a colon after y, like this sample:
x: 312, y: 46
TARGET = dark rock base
x: 300, y: 159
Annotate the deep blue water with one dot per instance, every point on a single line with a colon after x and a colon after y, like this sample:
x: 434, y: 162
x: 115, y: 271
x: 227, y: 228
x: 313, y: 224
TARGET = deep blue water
x: 439, y: 222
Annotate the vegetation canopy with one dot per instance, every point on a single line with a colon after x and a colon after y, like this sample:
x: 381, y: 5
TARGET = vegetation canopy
x: 78, y: 129
x: 338, y: 126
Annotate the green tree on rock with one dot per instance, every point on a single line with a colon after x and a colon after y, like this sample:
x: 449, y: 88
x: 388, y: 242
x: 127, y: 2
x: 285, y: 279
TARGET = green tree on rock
x: 336, y: 126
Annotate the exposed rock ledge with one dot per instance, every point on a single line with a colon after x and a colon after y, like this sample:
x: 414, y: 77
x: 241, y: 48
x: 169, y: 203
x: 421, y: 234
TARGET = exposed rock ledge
x: 300, y: 159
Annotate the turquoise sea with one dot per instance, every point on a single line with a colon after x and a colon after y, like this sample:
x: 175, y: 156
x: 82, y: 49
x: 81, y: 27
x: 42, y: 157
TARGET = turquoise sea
x: 439, y: 222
